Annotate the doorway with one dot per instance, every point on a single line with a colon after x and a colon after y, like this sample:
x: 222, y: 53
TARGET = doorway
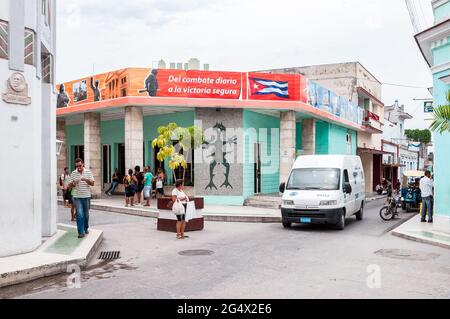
x: 121, y: 159
x: 106, y: 164
x: 77, y: 152
x: 257, y: 169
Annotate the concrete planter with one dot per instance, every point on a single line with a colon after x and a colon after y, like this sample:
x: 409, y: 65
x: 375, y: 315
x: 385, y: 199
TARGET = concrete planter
x: 167, y: 220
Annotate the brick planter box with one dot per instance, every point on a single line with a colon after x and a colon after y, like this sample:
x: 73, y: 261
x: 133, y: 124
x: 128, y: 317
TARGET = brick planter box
x: 167, y: 219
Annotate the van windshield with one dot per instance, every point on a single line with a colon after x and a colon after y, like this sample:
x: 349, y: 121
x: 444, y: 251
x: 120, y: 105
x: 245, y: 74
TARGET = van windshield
x: 314, y: 179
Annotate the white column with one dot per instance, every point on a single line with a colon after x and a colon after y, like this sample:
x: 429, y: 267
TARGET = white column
x: 287, y: 143
x: 309, y: 136
x: 92, y: 150
x: 134, y: 137
x: 49, y: 173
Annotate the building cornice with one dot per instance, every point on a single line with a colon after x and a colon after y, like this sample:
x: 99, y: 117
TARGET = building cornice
x: 441, y: 67
x: 426, y: 38
x: 438, y: 3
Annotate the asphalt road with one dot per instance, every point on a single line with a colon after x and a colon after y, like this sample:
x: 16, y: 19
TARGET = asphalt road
x: 253, y: 261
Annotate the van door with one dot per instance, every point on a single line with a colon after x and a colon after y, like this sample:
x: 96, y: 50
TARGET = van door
x: 349, y: 199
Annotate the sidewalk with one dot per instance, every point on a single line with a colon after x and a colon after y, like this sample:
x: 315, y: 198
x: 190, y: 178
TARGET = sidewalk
x: 52, y: 257
x: 422, y: 232
x: 219, y: 213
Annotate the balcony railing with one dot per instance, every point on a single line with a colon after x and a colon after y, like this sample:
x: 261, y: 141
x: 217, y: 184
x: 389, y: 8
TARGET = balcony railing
x: 372, y: 122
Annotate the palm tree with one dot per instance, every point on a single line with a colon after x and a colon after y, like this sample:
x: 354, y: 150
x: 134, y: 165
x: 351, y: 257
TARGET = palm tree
x: 441, y: 121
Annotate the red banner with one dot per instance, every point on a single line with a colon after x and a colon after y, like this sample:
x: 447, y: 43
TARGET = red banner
x: 193, y: 84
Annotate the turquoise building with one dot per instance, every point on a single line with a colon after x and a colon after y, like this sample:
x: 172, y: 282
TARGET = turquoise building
x: 435, y: 46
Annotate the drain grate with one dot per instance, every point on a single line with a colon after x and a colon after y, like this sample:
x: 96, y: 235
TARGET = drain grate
x: 196, y: 252
x: 109, y: 255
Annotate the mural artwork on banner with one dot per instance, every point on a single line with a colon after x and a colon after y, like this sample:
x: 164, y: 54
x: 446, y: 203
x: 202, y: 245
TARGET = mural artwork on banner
x: 284, y: 87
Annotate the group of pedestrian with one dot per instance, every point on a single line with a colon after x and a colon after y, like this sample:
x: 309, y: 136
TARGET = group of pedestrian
x: 77, y: 195
x: 139, y: 183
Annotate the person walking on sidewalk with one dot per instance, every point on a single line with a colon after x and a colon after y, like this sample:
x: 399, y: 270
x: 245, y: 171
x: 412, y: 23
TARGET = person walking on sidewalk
x: 80, y: 180
x: 148, y: 180
x: 63, y: 180
x: 426, y: 188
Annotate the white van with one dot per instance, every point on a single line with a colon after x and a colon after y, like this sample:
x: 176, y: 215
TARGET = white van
x: 323, y: 189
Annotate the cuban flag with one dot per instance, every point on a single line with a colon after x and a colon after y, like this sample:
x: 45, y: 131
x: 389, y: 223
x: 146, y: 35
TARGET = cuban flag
x: 262, y: 87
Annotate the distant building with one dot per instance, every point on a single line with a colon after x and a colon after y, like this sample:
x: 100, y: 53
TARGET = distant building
x: 353, y: 81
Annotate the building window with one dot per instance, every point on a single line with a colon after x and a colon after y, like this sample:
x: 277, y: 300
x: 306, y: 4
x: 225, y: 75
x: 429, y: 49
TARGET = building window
x: 47, y: 68
x: 29, y: 47
x: 3, y: 40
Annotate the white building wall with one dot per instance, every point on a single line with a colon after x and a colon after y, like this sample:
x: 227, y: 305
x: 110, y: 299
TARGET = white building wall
x: 27, y: 136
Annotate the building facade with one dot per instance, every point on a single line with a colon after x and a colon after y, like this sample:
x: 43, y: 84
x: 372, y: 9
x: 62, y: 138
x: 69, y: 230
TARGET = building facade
x: 27, y: 124
x: 255, y: 125
x: 434, y: 44
x: 400, y: 157
x: 356, y: 84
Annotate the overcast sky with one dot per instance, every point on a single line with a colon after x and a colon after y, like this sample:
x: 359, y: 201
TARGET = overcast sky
x: 237, y: 35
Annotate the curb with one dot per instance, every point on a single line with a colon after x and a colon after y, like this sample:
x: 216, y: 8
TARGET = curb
x: 212, y: 218
x: 47, y: 270
x: 419, y: 240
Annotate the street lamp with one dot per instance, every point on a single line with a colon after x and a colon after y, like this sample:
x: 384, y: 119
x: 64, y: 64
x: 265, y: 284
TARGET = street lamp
x: 59, y: 145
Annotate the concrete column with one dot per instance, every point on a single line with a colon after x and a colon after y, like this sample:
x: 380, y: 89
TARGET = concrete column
x: 49, y: 173
x: 309, y: 136
x: 61, y: 135
x: 287, y: 143
x: 134, y: 137
x: 92, y: 150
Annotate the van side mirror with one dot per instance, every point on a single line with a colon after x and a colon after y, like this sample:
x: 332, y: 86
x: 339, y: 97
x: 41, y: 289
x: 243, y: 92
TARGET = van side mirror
x: 347, y: 188
x: 282, y: 187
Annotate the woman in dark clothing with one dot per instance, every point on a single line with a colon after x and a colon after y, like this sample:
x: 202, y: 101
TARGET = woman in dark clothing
x: 140, y: 183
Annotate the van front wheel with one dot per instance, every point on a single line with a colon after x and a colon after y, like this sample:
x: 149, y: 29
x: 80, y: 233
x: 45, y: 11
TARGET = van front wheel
x: 287, y: 225
x: 341, y: 223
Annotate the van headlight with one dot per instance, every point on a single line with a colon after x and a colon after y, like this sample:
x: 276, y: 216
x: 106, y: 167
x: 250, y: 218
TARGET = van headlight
x: 328, y: 203
x: 288, y: 202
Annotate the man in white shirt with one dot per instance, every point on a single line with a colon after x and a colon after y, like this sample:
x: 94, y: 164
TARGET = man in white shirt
x: 426, y: 188
x: 81, y: 180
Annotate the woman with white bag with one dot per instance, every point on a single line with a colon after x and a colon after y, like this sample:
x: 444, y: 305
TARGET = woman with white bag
x: 180, y: 201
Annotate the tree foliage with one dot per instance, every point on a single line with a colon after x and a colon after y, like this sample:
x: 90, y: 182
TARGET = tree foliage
x: 441, y: 122
x: 422, y: 136
x: 187, y: 138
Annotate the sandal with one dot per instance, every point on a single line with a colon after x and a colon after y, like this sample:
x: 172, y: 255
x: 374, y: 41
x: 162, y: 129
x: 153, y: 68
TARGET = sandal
x: 179, y: 236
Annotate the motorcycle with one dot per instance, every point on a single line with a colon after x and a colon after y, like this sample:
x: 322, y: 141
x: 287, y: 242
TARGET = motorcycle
x: 390, y: 211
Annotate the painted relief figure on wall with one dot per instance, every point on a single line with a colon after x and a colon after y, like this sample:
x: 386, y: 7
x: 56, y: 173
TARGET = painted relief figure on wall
x: 16, y: 90
x: 63, y: 98
x: 218, y: 155
x: 151, y: 83
x: 95, y: 89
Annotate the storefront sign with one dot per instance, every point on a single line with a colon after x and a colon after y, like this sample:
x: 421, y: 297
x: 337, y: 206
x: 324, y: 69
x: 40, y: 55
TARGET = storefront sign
x: 428, y: 107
